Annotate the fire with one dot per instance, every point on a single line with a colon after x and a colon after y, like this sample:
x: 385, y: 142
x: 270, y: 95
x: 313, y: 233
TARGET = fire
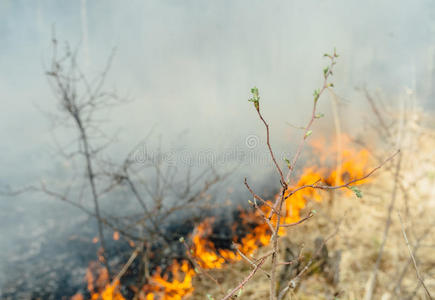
x: 176, y: 281
x: 99, y: 285
x: 204, y: 251
x: 163, y: 288
x: 259, y: 235
x: 111, y: 292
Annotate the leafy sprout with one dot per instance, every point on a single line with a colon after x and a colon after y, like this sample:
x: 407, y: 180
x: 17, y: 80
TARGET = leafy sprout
x: 255, y: 98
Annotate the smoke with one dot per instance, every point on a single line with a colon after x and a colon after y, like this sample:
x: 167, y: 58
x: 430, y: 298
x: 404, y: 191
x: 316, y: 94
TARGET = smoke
x: 84, y: 24
x: 189, y: 66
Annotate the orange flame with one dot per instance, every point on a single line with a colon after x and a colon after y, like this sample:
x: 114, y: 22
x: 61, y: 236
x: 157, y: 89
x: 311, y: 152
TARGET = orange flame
x: 111, y: 292
x: 99, y: 285
x: 163, y: 288
x: 208, y: 257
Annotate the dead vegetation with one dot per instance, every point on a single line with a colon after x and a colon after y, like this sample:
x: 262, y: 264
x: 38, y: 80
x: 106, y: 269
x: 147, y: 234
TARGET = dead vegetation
x: 384, y: 245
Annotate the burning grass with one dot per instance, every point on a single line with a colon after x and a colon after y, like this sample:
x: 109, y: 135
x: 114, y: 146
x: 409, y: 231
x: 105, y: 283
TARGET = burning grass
x: 177, y: 281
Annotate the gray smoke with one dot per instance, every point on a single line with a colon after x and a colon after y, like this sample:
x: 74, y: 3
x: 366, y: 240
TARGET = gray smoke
x: 189, y: 66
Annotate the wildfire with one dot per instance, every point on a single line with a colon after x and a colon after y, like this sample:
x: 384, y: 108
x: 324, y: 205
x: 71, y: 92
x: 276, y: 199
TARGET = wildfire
x: 180, y: 285
x: 176, y: 282
x: 204, y: 251
x: 99, y: 284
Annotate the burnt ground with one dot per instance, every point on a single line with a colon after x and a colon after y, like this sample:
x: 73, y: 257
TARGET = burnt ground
x: 55, y: 263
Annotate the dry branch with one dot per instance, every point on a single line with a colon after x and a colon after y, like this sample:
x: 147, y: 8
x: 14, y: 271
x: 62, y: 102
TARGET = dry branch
x: 411, y: 254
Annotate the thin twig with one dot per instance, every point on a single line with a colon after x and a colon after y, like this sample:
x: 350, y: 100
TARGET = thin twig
x: 294, y: 281
x: 411, y: 254
x: 347, y: 184
x: 309, y: 216
x: 258, y: 197
x: 127, y: 265
x: 242, y: 284
x: 254, y: 264
x: 281, y: 175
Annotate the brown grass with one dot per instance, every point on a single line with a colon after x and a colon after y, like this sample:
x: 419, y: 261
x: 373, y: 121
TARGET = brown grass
x: 360, y: 235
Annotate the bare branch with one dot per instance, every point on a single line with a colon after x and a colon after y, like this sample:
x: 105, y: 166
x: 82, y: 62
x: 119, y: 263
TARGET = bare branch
x: 245, y: 281
x: 411, y: 254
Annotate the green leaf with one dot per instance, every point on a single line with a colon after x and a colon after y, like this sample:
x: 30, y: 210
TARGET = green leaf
x: 255, y: 93
x: 357, y: 191
x: 318, y: 116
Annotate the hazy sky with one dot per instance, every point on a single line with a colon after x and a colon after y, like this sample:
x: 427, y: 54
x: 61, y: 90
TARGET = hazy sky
x: 189, y: 65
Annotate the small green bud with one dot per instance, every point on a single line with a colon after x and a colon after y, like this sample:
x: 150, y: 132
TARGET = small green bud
x: 239, y: 294
x: 288, y: 162
x: 309, y: 132
x: 255, y: 98
x: 318, y: 116
x: 356, y: 190
x: 316, y: 95
x: 325, y: 71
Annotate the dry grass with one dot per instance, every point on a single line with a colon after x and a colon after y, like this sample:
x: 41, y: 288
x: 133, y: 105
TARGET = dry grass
x: 360, y: 235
